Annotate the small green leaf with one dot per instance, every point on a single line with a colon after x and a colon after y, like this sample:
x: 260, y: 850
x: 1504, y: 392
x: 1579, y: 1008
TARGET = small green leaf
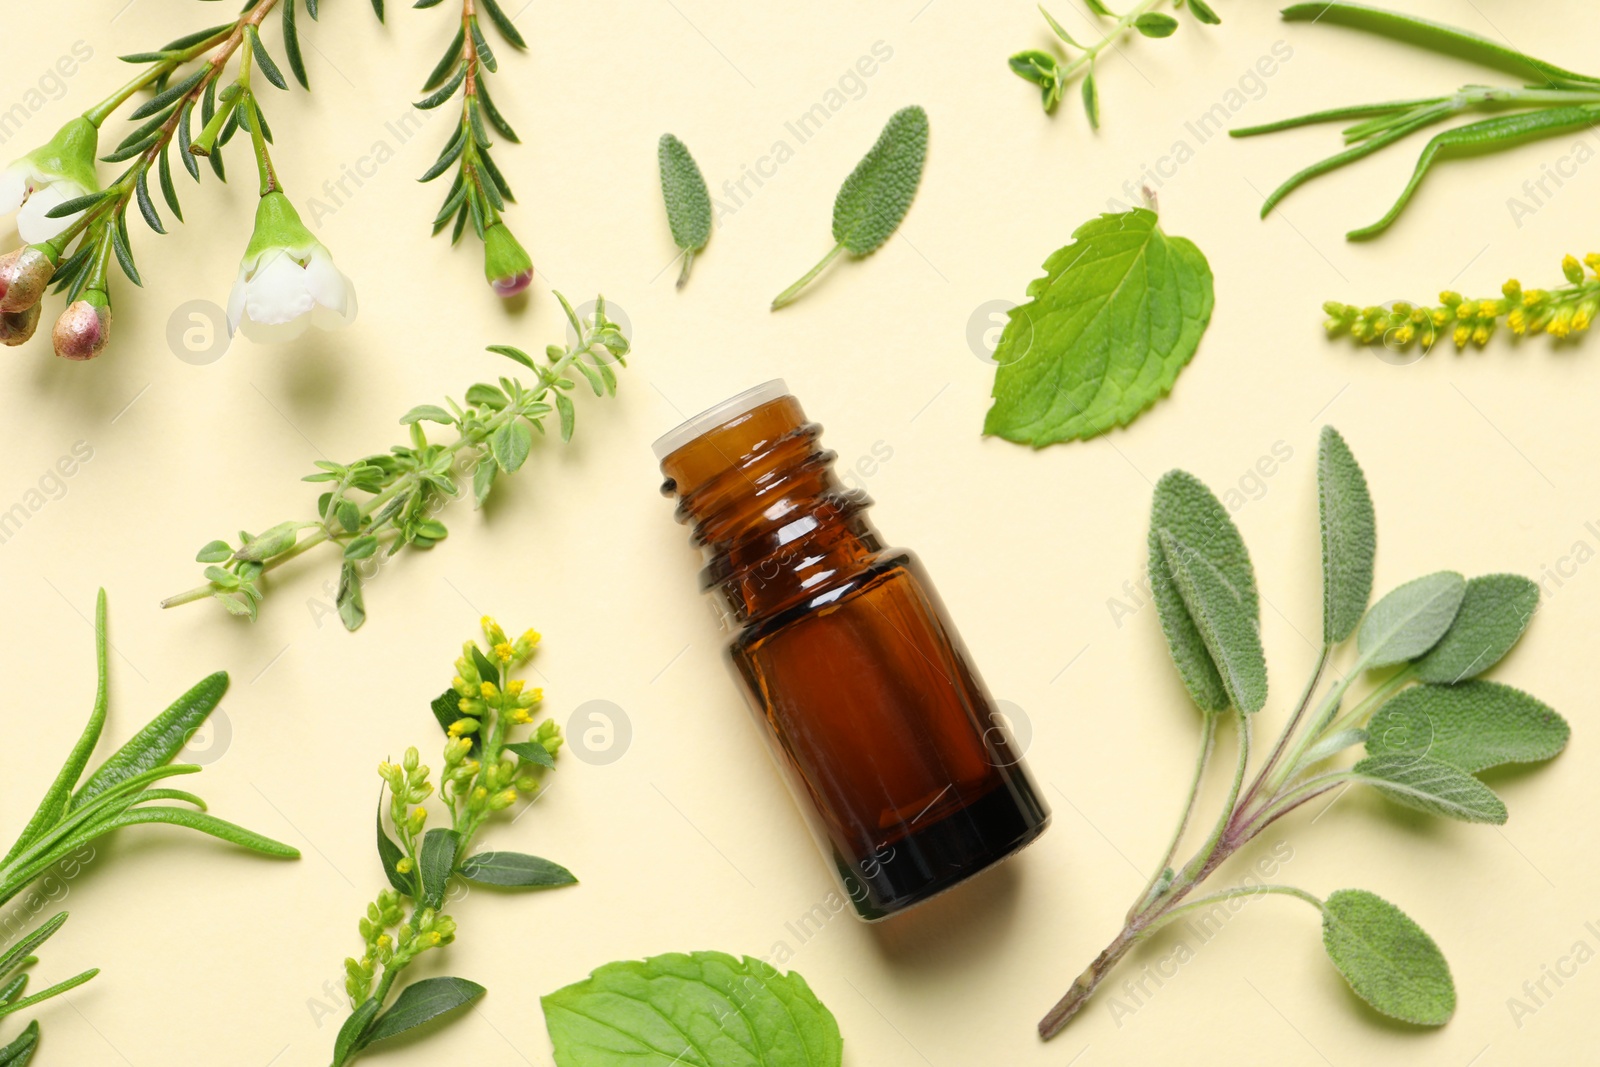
x: 349, y: 1040
x: 1411, y: 619
x: 1091, y: 100
x: 683, y: 188
x: 421, y: 1002
x: 1188, y: 512
x: 706, y: 1008
x: 1473, y: 726
x: 352, y: 606
x: 215, y: 552
x: 390, y: 855
x: 1432, y: 786
x: 511, y: 444
x: 1495, y: 610
x: 1226, y: 621
x: 484, y: 395
x: 1056, y: 27
x: 515, y: 355
x: 264, y: 59
x: 1104, y: 335
x: 272, y: 542
x: 483, y: 479
x: 447, y: 709
x: 1349, y: 537
x: 568, y: 415
x: 514, y: 869
x: 1034, y: 66
x: 1203, y: 12
x: 878, y: 193
x: 427, y: 413
x: 361, y: 548
x: 1152, y: 24
x: 437, y: 861
x: 1389, y: 961
x: 533, y: 752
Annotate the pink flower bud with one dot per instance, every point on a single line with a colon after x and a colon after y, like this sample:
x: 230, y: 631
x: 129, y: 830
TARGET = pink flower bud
x: 24, y: 274
x: 83, y: 329
x: 17, y: 326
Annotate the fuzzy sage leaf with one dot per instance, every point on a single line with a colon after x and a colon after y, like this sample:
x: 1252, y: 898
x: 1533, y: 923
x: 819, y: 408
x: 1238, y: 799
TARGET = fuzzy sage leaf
x: 1495, y: 610
x: 1411, y: 619
x: 1388, y: 959
x: 688, y: 203
x: 1473, y: 726
x: 1431, y: 785
x: 1349, y: 537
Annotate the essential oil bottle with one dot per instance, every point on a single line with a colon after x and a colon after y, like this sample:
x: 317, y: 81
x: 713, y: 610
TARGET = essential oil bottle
x: 891, y: 745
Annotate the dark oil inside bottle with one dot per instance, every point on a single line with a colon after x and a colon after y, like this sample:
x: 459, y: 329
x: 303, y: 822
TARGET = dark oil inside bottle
x: 906, y: 773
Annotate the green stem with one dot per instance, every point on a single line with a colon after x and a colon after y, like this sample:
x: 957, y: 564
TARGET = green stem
x: 1209, y: 856
x: 1227, y: 894
x: 788, y: 296
x: 1358, y: 715
x: 1208, y: 737
x: 1294, y: 721
x: 1319, y: 725
x: 252, y: 114
x: 1092, y: 52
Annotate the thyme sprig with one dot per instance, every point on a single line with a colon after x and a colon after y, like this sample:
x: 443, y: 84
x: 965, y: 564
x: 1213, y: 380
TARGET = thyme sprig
x: 381, y: 504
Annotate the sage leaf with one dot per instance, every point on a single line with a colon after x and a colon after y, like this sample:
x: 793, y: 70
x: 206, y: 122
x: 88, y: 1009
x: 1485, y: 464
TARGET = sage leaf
x: 1389, y: 961
x: 437, y: 861
x: 1349, y: 537
x: 1411, y: 619
x: 515, y: 870
x: 876, y: 196
x: 1473, y: 726
x: 1105, y: 332
x: 707, y: 1008
x: 1433, y: 786
x: 161, y: 739
x: 421, y: 1002
x: 1225, y: 623
x: 683, y: 188
x: 1495, y: 610
x: 1189, y: 513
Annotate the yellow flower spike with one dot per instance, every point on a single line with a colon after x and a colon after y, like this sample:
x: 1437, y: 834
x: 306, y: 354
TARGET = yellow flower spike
x: 504, y: 652
x: 492, y: 631
x: 1532, y: 298
x: 433, y: 937
x: 514, y: 687
x: 1518, y: 321
x: 1450, y: 298
x: 488, y: 690
x: 1480, y: 336
x: 1512, y: 289
x: 520, y: 717
x: 1593, y: 261
x: 1584, y: 316
x: 1439, y: 316
x: 1561, y: 325
x: 1404, y: 335
x: 529, y: 638
x: 1572, y: 269
x: 1462, y: 335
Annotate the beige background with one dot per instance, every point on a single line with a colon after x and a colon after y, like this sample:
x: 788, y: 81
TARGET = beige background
x: 1479, y: 462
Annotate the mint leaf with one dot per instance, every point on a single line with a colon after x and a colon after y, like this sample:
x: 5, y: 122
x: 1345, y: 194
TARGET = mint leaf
x: 1411, y: 619
x: 705, y: 1008
x: 1224, y: 620
x: 1494, y: 611
x: 688, y: 203
x: 1349, y: 537
x: 1473, y: 726
x: 1117, y: 315
x: 1187, y: 512
x: 1389, y: 961
x: 874, y: 199
x: 1433, y: 786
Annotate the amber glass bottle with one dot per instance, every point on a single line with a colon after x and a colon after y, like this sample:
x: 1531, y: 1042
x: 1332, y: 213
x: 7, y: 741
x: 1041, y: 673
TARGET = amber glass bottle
x: 889, y: 741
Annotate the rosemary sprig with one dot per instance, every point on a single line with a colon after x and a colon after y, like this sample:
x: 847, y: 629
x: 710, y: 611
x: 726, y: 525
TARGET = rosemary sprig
x: 485, y: 771
x: 385, y: 503
x: 479, y: 192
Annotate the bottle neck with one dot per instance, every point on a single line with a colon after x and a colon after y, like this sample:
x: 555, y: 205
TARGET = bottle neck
x: 762, y: 501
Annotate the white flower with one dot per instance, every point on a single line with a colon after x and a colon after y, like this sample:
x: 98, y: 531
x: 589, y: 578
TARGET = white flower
x: 50, y: 175
x: 287, y: 280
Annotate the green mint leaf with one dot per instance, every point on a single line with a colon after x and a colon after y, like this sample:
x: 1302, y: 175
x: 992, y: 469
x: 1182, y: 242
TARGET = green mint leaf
x: 1152, y: 24
x: 648, y: 1011
x: 1349, y: 537
x: 1224, y: 621
x: 1473, y: 726
x: 1433, y: 786
x: 878, y: 193
x: 514, y: 869
x: 421, y: 1002
x: 1411, y: 619
x: 1187, y: 512
x: 683, y: 188
x: 1494, y: 612
x: 1117, y: 315
x: 437, y: 861
x: 1388, y: 959
x: 160, y: 740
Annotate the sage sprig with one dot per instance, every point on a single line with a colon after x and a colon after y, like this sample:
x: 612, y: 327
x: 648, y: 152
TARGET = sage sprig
x: 1053, y: 76
x: 1553, y: 101
x: 379, y: 505
x: 485, y: 770
x: 1560, y: 312
x: 122, y: 791
x: 1428, y: 725
x: 875, y: 197
x: 688, y: 203
x: 479, y: 192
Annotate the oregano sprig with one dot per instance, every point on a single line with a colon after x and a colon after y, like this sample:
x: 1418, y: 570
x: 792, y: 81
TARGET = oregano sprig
x: 479, y: 192
x: 1053, y: 76
x: 1428, y: 725
x: 382, y: 504
x: 486, y: 769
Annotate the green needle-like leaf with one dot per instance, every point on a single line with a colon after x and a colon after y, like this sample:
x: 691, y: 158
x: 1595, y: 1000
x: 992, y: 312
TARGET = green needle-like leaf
x: 206, y: 824
x: 1433, y: 786
x: 1389, y: 961
x: 688, y: 203
x: 1411, y: 619
x: 20, y: 1051
x: 1473, y: 726
x: 1349, y: 537
x: 1494, y: 612
x: 161, y: 740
